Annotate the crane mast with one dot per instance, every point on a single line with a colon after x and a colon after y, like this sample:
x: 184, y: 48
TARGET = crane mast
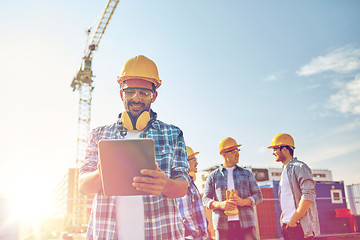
x: 83, y: 81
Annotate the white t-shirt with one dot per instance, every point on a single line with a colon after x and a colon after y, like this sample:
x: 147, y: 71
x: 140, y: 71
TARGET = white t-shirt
x: 130, y: 211
x: 286, y: 198
x: 230, y: 185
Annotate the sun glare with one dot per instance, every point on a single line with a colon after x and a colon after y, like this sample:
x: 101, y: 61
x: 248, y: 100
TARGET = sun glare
x: 30, y: 199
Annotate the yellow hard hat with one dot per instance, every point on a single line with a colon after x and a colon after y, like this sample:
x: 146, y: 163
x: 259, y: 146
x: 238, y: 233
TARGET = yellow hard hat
x: 140, y: 67
x: 190, y: 152
x: 282, y: 139
x: 228, y: 144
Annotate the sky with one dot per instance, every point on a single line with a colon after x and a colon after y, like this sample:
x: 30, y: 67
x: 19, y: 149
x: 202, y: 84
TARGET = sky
x: 242, y: 69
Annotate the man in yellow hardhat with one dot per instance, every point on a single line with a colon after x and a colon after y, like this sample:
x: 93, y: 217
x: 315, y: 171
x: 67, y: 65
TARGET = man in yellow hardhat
x: 191, y: 207
x: 299, y: 217
x: 153, y: 216
x: 233, y: 217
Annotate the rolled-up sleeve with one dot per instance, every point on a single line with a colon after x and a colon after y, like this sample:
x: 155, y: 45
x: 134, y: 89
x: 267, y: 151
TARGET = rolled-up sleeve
x: 306, y: 183
x: 91, y: 157
x: 256, y: 195
x: 209, y: 191
x: 181, y: 168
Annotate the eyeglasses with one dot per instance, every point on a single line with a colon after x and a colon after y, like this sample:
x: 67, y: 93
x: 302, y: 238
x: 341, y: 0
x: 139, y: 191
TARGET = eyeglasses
x: 143, y: 93
x: 281, y: 147
x: 234, y: 150
x: 192, y: 159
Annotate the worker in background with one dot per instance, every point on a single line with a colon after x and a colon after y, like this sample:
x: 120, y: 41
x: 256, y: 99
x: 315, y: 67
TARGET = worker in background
x: 232, y: 192
x: 299, y: 217
x: 153, y: 216
x: 191, y: 207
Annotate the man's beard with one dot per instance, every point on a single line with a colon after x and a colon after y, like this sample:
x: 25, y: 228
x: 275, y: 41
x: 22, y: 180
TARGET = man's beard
x: 143, y: 106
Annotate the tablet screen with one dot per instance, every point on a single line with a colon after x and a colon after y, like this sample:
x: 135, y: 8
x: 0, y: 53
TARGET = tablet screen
x: 121, y: 160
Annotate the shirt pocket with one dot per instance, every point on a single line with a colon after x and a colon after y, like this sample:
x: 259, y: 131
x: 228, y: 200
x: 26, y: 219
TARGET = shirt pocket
x: 164, y: 155
x: 244, y: 189
x: 163, y: 149
x: 220, y: 190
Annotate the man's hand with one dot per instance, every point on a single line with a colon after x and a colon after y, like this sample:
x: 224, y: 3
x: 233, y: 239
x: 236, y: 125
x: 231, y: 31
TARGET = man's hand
x: 237, y: 200
x: 90, y: 183
x: 300, y: 212
x: 227, y: 205
x: 99, y: 169
x: 240, y: 201
x: 153, y: 183
x: 290, y: 224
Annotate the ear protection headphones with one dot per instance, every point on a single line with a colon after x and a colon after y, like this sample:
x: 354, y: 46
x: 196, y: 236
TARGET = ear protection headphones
x: 131, y: 123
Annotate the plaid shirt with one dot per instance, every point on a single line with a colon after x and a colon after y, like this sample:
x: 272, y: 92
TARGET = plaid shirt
x: 192, y: 212
x: 245, y: 184
x: 162, y: 218
x: 303, y: 186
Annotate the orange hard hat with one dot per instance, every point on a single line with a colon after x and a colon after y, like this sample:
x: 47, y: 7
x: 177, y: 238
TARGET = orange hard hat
x: 282, y: 139
x: 140, y: 67
x: 190, y: 152
x: 228, y: 144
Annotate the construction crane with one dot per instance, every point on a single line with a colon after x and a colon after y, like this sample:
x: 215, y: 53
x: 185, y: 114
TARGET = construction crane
x: 83, y: 81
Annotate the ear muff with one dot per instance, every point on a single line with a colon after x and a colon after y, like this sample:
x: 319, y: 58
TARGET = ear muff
x: 126, y: 120
x: 135, y: 124
x: 142, y: 120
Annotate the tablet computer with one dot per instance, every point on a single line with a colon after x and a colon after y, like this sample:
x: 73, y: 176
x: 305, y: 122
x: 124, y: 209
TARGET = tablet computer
x: 121, y: 160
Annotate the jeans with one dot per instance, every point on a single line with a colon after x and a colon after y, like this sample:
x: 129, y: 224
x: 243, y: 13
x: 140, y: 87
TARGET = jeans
x: 235, y: 232
x: 293, y: 233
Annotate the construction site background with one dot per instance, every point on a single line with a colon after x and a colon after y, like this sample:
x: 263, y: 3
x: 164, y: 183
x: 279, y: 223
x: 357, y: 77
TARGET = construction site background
x: 72, y: 212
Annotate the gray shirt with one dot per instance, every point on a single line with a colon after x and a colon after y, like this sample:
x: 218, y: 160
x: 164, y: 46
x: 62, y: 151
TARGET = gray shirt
x: 303, y: 186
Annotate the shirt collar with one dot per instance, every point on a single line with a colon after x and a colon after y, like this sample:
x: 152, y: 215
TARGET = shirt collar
x: 294, y: 159
x: 221, y: 168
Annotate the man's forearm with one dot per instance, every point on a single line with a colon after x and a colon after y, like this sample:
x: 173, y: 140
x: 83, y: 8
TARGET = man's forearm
x: 245, y: 202
x: 215, y: 205
x: 176, y: 188
x: 90, y: 183
x: 303, y: 207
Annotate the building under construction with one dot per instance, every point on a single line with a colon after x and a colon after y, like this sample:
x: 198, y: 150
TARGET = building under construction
x: 75, y: 206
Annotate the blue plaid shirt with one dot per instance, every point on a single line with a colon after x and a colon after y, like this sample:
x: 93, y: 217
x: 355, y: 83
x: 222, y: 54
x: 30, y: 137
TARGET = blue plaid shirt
x: 245, y: 184
x: 162, y: 218
x: 192, y: 211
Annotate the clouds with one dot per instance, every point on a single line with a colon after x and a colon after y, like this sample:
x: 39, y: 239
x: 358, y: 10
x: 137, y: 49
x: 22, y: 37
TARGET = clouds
x: 338, y: 81
x: 276, y: 76
x: 330, y: 152
x: 350, y: 126
x: 345, y: 60
x: 271, y: 78
x: 341, y: 60
x: 347, y: 100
